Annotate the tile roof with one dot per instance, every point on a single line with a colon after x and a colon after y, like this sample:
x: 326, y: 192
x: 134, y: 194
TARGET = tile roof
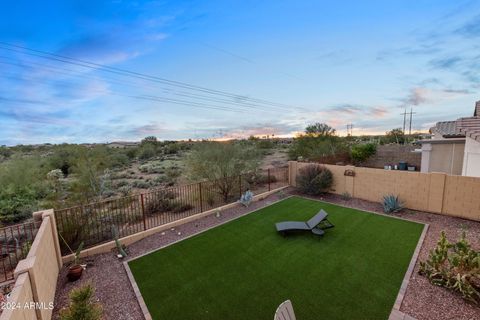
x: 448, y: 129
x: 470, y: 127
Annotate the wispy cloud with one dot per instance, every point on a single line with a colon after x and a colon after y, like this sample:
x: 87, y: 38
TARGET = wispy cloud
x: 422, y: 95
x: 356, y: 110
x: 471, y: 28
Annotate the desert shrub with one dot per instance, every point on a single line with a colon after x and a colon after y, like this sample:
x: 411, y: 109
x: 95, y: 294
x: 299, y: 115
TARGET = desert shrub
x: 210, y: 199
x: 119, y: 183
x: 257, y: 178
x: 221, y: 163
x: 151, y: 168
x: 392, y: 204
x: 161, y: 202
x: 361, y: 152
x: 160, y: 179
x: 118, y: 160
x: 17, y: 204
x: 72, y: 229
x: 140, y: 184
x: 82, y: 305
x: 314, y: 179
x: 125, y: 190
x: 346, y: 196
x: 318, y: 141
x: 179, y: 208
x: 172, y: 173
x: 172, y: 148
x: 146, y: 152
x: 131, y: 153
x: 120, y: 175
x: 455, y: 266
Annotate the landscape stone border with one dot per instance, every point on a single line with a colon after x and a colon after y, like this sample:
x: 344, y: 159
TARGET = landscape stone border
x: 396, y: 314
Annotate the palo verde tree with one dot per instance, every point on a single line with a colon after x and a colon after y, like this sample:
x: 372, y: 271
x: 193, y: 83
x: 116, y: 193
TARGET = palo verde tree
x: 319, y: 140
x: 320, y: 130
x: 222, y: 162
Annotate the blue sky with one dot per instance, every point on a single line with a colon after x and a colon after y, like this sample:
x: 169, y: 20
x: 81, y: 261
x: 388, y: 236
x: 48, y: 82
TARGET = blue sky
x: 339, y: 62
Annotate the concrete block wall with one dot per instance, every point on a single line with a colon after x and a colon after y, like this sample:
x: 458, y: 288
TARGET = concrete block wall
x: 432, y: 192
x: 393, y: 154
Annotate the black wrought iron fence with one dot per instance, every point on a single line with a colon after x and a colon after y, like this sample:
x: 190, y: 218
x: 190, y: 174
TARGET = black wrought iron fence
x: 93, y: 223
x: 15, y: 242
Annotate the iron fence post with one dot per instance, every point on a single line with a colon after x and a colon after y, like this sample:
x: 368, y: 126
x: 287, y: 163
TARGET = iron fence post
x: 240, y: 184
x: 269, y: 187
x: 143, y: 212
x: 201, y: 198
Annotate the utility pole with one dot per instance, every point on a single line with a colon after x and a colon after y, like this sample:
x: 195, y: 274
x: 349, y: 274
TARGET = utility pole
x: 410, y: 126
x: 350, y: 129
x: 404, y: 114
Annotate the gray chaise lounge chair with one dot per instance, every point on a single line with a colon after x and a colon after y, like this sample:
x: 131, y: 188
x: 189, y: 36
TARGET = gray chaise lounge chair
x: 316, y: 224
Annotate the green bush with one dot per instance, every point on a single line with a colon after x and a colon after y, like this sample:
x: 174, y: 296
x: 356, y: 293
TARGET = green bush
x: 455, y: 266
x: 361, y: 152
x: 314, y: 179
x: 17, y: 204
x: 82, y: 306
x: 146, y: 152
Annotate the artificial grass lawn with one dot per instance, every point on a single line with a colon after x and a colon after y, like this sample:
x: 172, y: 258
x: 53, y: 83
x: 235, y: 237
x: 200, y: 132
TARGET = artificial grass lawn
x: 244, y: 269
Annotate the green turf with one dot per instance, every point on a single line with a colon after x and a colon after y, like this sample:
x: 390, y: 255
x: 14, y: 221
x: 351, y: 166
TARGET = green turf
x: 244, y: 269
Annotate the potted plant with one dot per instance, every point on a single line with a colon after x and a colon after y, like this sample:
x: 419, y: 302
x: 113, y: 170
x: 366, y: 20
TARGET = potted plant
x: 75, y: 270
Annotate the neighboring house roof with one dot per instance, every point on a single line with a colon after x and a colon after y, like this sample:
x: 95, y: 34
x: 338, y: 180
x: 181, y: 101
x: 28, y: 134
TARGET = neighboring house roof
x: 470, y: 126
x: 447, y: 129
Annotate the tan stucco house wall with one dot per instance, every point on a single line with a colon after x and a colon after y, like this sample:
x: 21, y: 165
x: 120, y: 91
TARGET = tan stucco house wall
x: 442, y: 155
x: 471, y: 160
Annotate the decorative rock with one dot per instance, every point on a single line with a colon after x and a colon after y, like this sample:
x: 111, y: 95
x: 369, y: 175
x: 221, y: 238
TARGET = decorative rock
x: 179, y: 233
x: 163, y: 233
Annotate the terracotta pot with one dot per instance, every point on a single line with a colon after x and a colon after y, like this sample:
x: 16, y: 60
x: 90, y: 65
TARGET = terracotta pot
x: 74, y: 272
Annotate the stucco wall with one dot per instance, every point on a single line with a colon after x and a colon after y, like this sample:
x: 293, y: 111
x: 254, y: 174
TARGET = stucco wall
x: 444, y: 157
x: 36, y: 275
x: 471, y: 160
x: 433, y: 192
x: 22, y: 296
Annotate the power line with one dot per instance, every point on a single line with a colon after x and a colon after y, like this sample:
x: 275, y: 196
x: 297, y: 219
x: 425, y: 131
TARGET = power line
x: 124, y: 72
x: 68, y: 72
x: 141, y: 97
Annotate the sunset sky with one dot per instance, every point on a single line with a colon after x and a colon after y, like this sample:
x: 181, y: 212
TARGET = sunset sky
x: 257, y: 67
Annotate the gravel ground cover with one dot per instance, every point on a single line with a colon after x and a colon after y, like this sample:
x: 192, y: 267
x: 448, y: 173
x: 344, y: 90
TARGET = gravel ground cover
x: 422, y: 300
x: 110, y: 279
